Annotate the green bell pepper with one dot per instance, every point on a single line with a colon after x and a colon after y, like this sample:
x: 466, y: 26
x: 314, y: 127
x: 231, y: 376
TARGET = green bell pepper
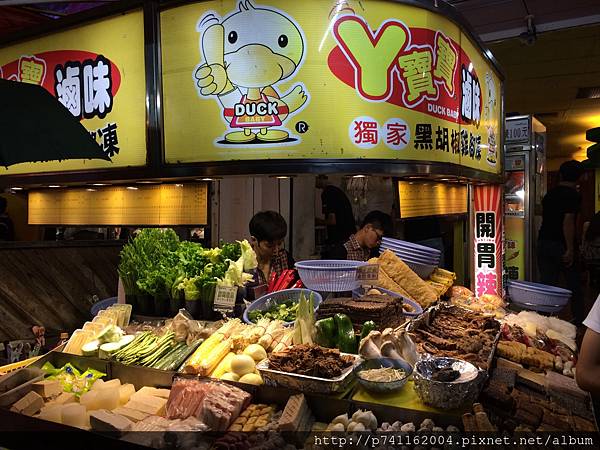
x: 346, y: 340
x: 367, y: 327
x: 326, y: 332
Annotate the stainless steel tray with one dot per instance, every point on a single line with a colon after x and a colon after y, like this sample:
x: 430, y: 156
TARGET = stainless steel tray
x: 304, y: 383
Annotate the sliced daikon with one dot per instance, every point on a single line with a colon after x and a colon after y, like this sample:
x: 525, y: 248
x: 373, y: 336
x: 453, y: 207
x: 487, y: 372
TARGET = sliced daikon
x: 125, y: 393
x: 108, y: 398
x: 74, y: 415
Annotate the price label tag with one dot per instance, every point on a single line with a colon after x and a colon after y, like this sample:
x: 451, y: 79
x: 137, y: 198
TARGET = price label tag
x: 517, y: 131
x: 369, y: 272
x: 225, y: 298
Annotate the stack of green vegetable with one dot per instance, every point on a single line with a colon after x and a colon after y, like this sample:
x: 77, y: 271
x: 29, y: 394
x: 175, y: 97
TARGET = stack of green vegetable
x: 338, y: 332
x: 157, y: 264
x: 159, y: 352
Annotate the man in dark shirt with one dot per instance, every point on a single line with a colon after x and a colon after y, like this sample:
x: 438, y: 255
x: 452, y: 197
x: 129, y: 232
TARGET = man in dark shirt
x: 7, y: 231
x: 363, y: 244
x: 556, y: 240
x: 337, y: 210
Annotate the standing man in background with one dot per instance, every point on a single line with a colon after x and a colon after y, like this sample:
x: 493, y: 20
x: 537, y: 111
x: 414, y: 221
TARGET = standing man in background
x: 339, y: 217
x: 557, y: 238
x: 7, y: 229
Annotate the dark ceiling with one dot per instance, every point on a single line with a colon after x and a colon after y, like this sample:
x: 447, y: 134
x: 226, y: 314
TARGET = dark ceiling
x: 16, y: 16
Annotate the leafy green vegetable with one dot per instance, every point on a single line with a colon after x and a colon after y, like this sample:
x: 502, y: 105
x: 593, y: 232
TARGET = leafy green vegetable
x: 157, y: 263
x: 285, y: 311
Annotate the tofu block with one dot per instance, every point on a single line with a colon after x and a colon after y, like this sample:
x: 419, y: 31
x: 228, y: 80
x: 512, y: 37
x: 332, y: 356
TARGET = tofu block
x: 155, y: 392
x: 51, y: 412
x: 532, y: 380
x: 131, y: 414
x: 149, y: 399
x: 47, y: 388
x: 74, y: 415
x: 152, y: 405
x: 125, y: 393
x: 103, y: 420
x: 29, y: 404
x: 64, y: 398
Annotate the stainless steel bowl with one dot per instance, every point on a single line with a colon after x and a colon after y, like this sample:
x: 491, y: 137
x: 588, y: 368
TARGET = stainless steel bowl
x: 447, y: 395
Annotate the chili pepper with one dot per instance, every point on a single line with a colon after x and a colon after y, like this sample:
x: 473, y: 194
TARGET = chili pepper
x: 271, y: 286
x: 280, y: 280
x: 289, y: 279
x: 298, y: 285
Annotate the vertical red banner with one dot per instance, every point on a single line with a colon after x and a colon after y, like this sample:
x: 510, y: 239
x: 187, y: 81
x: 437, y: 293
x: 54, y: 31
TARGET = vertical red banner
x: 487, y: 229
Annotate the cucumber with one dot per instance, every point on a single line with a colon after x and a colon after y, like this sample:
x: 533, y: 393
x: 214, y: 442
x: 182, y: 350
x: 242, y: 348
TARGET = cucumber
x: 126, y: 340
x: 91, y: 348
x: 108, y: 349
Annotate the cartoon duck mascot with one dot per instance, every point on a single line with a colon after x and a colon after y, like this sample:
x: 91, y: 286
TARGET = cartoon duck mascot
x: 245, y: 55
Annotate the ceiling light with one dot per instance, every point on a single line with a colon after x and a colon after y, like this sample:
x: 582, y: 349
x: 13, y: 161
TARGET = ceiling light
x: 16, y: 188
x: 359, y: 176
x: 54, y: 186
x: 179, y: 185
x: 147, y: 182
x: 132, y: 188
x: 100, y: 184
x: 91, y: 190
x: 282, y: 177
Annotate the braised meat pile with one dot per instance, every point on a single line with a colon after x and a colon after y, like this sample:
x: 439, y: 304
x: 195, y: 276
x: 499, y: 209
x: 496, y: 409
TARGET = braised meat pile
x: 311, y: 360
x: 458, y: 333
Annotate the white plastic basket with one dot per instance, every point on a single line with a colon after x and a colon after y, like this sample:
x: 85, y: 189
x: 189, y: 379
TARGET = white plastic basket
x: 329, y: 275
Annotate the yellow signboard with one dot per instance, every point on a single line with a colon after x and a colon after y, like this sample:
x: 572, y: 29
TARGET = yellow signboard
x: 261, y: 79
x: 97, y: 72
x: 167, y: 204
x: 419, y: 199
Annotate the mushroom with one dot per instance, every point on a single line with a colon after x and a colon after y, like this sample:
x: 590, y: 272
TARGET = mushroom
x: 368, y: 349
x: 388, y: 349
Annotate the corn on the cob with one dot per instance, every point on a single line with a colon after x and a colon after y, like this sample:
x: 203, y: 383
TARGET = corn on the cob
x: 214, y: 357
x: 192, y: 365
x: 223, y: 367
x: 286, y: 340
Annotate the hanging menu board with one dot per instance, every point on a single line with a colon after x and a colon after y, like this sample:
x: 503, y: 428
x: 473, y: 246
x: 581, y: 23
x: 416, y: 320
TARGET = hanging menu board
x: 419, y: 199
x: 173, y: 204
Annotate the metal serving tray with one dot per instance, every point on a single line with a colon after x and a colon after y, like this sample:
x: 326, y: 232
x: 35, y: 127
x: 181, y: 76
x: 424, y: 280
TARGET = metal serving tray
x: 307, y: 384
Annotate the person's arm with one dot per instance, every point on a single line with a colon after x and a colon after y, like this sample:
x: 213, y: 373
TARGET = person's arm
x: 569, y: 233
x: 588, y: 364
x: 330, y: 219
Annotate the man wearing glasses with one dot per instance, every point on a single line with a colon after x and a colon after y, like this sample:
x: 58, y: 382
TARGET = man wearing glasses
x: 366, y: 240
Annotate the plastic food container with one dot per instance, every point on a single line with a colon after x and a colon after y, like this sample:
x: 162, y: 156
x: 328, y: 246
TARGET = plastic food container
x: 266, y: 302
x: 329, y: 275
x: 527, y: 293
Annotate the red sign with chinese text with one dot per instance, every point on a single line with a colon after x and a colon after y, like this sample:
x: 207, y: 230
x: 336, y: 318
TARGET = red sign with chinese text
x: 487, y: 240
